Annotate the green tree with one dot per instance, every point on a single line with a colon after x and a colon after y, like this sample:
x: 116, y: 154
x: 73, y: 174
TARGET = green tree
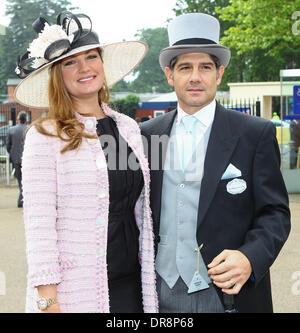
x: 203, y: 6
x: 261, y: 34
x: 127, y: 105
x: 264, y: 25
x: 120, y: 86
x: 20, y: 33
x: 258, y: 33
x: 150, y: 75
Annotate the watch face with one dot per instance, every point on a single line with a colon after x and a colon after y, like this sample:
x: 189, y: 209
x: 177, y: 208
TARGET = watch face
x: 42, y: 303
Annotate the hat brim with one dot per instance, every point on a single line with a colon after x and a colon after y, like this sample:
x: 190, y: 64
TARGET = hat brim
x: 119, y: 59
x: 220, y: 51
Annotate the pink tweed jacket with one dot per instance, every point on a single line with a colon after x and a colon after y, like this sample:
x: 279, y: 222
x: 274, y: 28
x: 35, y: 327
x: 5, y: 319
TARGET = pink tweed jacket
x: 66, y: 202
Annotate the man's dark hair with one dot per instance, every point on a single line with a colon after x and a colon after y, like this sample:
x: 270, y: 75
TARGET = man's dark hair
x: 22, y: 116
x: 213, y: 58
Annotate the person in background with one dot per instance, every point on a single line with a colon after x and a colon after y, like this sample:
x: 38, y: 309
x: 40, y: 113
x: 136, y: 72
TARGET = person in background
x: 87, y: 218
x: 275, y: 116
x: 219, y: 203
x: 15, y: 146
x: 295, y: 147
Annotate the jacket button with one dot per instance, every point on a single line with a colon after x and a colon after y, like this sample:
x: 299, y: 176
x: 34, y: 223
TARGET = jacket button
x: 100, y: 220
x: 102, y: 193
x: 100, y: 252
x: 101, y: 163
x: 89, y: 124
x: 92, y: 141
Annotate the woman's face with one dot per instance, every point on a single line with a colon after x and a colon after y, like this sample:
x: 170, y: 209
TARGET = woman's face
x: 83, y: 74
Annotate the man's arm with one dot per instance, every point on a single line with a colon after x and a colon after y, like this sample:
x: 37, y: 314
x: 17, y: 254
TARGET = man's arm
x: 271, y: 224
x: 8, y: 141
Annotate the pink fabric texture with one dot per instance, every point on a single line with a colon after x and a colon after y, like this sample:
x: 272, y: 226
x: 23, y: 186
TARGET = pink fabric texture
x: 66, y: 202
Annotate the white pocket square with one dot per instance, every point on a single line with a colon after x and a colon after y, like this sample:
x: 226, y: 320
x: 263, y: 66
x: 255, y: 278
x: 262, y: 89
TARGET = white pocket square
x: 231, y: 172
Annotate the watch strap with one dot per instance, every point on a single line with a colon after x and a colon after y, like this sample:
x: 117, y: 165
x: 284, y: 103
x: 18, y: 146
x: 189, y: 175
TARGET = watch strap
x: 51, y: 301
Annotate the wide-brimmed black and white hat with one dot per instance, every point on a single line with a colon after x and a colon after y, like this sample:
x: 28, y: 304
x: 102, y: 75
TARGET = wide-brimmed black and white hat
x: 194, y: 33
x: 71, y: 35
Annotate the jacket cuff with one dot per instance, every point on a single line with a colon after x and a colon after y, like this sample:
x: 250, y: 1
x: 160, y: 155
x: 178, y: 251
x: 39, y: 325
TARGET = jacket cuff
x: 258, y: 263
x: 44, y: 277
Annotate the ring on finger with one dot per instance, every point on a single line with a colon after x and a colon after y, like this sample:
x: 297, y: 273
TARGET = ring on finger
x: 231, y: 283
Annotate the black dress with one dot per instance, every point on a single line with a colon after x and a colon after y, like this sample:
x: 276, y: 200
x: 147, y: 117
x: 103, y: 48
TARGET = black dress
x: 125, y: 186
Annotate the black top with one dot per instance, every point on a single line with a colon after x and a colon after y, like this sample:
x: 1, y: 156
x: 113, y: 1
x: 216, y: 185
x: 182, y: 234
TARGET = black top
x: 125, y: 186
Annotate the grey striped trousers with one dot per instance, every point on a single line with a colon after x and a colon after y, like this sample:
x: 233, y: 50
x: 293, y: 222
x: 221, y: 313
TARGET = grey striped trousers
x: 177, y: 299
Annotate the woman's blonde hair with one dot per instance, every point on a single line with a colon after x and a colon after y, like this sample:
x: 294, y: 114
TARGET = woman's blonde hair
x: 68, y: 128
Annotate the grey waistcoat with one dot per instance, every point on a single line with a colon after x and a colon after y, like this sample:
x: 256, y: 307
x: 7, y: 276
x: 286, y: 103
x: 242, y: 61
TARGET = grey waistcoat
x: 178, y: 220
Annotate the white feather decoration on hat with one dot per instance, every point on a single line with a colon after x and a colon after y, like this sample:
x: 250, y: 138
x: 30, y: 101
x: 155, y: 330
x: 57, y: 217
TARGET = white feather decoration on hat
x: 49, y: 35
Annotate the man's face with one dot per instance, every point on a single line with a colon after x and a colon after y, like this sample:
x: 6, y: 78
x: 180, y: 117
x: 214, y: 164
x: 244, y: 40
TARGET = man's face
x: 195, y: 79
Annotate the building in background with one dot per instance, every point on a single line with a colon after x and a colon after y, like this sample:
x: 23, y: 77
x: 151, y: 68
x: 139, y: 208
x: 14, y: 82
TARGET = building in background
x: 268, y: 93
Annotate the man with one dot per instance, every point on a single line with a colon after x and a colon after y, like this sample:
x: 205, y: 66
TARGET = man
x: 14, y: 146
x: 219, y: 203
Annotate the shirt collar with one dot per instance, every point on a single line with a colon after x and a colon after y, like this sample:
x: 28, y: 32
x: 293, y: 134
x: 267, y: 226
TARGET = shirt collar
x: 205, y: 115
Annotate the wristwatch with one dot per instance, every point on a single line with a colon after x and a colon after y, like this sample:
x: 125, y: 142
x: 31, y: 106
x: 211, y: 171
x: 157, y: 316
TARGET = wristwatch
x: 44, y: 303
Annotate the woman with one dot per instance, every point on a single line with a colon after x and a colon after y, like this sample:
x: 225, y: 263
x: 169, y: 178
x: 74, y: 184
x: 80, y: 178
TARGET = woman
x: 86, y: 209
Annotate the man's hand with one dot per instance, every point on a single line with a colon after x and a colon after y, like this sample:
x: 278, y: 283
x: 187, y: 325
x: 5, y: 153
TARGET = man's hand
x: 229, y: 271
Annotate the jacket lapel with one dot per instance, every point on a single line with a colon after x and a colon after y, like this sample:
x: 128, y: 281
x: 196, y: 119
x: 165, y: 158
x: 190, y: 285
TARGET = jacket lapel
x: 163, y: 128
x: 221, y: 145
x: 162, y: 131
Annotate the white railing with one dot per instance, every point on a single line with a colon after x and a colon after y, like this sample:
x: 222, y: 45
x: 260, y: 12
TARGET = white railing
x: 8, y: 173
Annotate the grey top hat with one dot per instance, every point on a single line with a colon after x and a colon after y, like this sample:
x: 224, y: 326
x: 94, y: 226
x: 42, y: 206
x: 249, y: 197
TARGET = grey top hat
x: 193, y: 33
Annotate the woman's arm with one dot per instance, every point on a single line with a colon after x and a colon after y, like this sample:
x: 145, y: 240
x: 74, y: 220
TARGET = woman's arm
x: 40, y: 213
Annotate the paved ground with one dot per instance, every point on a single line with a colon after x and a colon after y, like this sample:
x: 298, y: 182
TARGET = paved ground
x: 13, y: 270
